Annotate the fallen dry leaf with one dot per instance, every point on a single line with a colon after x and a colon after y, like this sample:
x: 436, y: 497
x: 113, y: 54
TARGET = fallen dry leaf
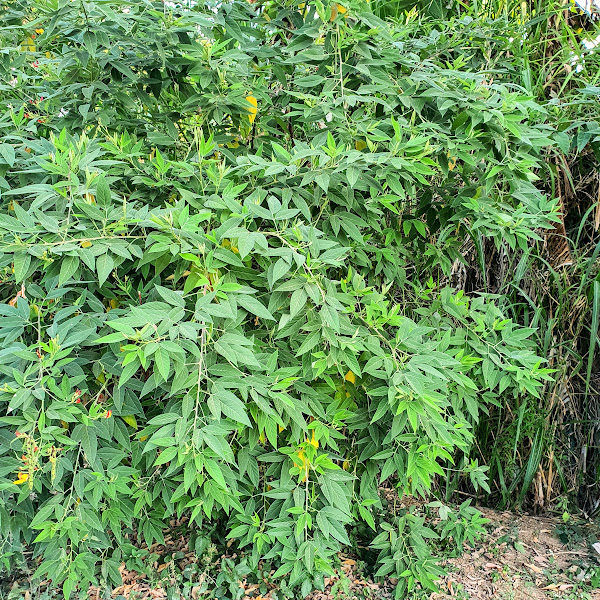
x: 558, y: 587
x: 534, y: 568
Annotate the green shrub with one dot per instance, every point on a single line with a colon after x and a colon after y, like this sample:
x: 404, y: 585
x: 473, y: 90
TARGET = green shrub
x: 216, y: 307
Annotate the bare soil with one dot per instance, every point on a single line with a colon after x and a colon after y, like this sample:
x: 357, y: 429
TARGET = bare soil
x: 520, y: 559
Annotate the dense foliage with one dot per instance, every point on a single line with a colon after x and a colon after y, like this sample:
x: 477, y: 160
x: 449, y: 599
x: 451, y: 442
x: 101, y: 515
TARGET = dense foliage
x: 225, y: 234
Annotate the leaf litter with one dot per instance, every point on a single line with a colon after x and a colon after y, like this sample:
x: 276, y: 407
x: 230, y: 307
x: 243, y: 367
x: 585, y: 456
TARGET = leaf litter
x: 520, y: 559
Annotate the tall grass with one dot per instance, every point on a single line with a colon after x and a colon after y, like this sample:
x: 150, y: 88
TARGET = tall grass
x: 539, y: 453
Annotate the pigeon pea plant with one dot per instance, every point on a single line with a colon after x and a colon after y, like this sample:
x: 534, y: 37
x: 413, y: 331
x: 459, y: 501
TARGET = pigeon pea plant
x: 217, y: 226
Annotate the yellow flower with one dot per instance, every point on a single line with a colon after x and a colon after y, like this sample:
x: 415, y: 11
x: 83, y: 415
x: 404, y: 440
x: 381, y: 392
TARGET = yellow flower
x: 254, y: 110
x: 22, y: 478
x: 227, y: 244
x: 300, y: 456
x: 314, y: 442
x: 338, y: 9
x: 39, y: 31
x: 86, y: 244
x: 346, y: 465
x: 28, y: 45
x: 303, y: 465
x: 351, y: 377
x: 451, y: 162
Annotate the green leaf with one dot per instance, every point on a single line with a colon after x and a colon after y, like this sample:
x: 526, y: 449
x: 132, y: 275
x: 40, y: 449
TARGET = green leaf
x: 22, y: 261
x: 111, y: 338
x: 170, y: 296
x: 245, y: 244
x: 164, y: 419
x: 8, y: 154
x: 215, y: 472
x: 297, y: 302
x: 167, y: 455
x: 367, y: 517
x: 309, y: 343
x: 104, y: 266
x: 68, y: 267
x: 251, y: 304
x: 420, y: 227
x: 280, y: 268
x: 193, y: 280
x: 89, y: 441
x: 103, y: 195
x: 232, y: 406
x: 352, y: 174
x: 322, y: 180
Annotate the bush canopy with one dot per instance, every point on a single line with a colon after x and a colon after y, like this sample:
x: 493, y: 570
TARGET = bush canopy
x: 227, y: 233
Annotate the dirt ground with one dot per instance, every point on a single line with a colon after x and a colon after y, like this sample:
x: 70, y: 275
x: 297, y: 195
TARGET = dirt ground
x: 520, y: 559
